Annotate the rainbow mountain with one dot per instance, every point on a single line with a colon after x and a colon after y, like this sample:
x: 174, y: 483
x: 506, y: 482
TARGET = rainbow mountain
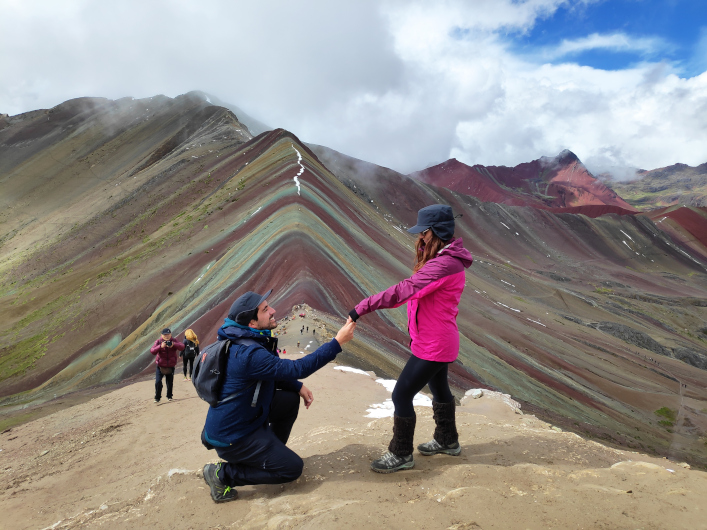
x: 123, y: 217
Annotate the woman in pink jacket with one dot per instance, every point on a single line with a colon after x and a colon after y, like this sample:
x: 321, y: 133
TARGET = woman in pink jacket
x: 432, y: 294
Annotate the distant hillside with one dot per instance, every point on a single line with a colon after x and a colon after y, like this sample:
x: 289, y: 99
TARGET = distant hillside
x: 121, y: 217
x: 678, y: 184
x: 558, y: 182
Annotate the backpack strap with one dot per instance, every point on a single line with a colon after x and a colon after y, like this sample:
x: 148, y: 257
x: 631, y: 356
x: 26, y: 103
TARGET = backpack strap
x: 246, y: 342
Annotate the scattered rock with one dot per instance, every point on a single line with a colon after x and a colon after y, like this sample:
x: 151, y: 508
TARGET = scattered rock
x: 506, y: 398
x: 573, y: 319
x: 691, y: 357
x: 474, y: 393
x: 43, y: 453
x: 632, y: 336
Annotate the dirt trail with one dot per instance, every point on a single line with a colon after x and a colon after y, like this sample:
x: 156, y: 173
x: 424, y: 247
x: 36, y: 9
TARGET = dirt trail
x: 120, y: 461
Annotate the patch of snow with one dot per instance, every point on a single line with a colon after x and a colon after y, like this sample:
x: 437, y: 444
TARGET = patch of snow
x: 386, y: 409
x: 504, y: 281
x: 543, y: 325
x: 628, y: 236
x: 504, y: 224
x: 301, y: 170
x: 508, y: 307
x: 629, y: 246
x: 256, y: 211
x: 352, y: 370
x: 200, y: 277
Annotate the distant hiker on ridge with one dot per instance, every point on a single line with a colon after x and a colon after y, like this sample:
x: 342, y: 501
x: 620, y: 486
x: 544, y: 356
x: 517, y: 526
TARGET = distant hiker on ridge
x: 250, y: 430
x: 165, y: 348
x: 433, y: 293
x: 191, y: 351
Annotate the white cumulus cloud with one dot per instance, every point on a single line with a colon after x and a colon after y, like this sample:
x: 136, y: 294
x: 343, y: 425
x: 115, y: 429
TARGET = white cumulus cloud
x: 404, y: 84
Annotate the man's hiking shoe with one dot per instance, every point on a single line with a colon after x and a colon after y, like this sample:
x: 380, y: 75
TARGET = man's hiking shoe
x: 389, y: 463
x: 219, y: 491
x: 157, y: 400
x: 169, y: 399
x: 435, y: 448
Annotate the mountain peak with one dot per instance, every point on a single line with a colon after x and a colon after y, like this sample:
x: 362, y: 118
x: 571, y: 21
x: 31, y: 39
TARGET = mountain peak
x: 567, y: 156
x: 556, y: 182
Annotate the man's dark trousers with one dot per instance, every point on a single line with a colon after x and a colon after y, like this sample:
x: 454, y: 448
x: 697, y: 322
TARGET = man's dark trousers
x: 262, y: 457
x: 158, y: 383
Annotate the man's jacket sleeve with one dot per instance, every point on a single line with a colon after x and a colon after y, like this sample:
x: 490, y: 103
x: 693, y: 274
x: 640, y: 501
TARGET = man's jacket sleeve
x: 263, y: 365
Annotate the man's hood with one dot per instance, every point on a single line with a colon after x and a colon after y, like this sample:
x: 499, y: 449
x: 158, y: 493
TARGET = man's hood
x: 457, y: 250
x: 233, y: 333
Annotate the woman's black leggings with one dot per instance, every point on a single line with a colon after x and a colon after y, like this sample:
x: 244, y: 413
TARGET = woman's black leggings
x: 416, y: 374
x: 191, y: 366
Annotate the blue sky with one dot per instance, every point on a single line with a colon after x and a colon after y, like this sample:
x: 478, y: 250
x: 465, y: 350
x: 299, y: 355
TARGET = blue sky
x: 400, y: 83
x: 670, y: 30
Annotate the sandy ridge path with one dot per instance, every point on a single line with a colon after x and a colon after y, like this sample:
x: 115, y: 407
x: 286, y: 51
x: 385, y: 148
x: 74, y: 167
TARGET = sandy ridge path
x: 120, y: 461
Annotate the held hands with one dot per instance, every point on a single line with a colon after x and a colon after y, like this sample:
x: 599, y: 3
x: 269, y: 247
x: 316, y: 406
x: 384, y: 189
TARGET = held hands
x: 346, y: 333
x: 307, y: 396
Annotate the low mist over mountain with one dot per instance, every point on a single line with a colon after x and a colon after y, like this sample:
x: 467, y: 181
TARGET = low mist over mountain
x: 122, y: 217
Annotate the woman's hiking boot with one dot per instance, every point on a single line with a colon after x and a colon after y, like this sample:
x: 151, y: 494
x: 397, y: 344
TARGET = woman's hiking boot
x: 399, y: 455
x: 389, y: 463
x: 446, y: 438
x: 219, y: 491
x: 433, y: 447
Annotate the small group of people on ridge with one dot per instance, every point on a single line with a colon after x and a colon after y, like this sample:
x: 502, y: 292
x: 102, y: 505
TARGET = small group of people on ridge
x: 167, y: 351
x: 250, y: 431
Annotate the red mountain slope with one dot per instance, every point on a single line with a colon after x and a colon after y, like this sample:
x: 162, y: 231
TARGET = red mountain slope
x: 559, y: 182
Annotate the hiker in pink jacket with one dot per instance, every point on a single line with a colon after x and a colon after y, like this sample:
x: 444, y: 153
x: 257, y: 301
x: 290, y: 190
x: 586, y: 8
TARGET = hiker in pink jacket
x: 432, y: 294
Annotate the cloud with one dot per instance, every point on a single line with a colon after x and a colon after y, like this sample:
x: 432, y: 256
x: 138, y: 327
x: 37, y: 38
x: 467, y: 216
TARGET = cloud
x: 403, y: 84
x: 615, y: 42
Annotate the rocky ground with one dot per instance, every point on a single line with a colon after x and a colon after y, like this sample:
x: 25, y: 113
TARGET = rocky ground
x: 121, y: 461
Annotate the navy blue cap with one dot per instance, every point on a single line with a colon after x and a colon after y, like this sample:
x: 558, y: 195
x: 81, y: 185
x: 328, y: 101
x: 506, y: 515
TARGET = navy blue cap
x: 439, y: 218
x: 166, y: 331
x: 242, y: 309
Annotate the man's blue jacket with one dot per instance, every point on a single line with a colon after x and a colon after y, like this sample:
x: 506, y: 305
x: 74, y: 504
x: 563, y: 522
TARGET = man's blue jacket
x: 248, y: 364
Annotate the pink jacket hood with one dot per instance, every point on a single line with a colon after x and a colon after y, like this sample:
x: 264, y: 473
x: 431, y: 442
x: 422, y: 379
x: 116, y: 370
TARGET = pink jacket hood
x: 432, y: 295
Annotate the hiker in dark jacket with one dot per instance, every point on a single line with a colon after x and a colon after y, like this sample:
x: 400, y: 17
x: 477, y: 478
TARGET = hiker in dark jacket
x: 250, y: 431
x: 191, y: 351
x: 165, y: 348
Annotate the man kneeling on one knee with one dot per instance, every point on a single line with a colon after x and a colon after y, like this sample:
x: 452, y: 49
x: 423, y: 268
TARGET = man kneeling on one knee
x: 250, y: 431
